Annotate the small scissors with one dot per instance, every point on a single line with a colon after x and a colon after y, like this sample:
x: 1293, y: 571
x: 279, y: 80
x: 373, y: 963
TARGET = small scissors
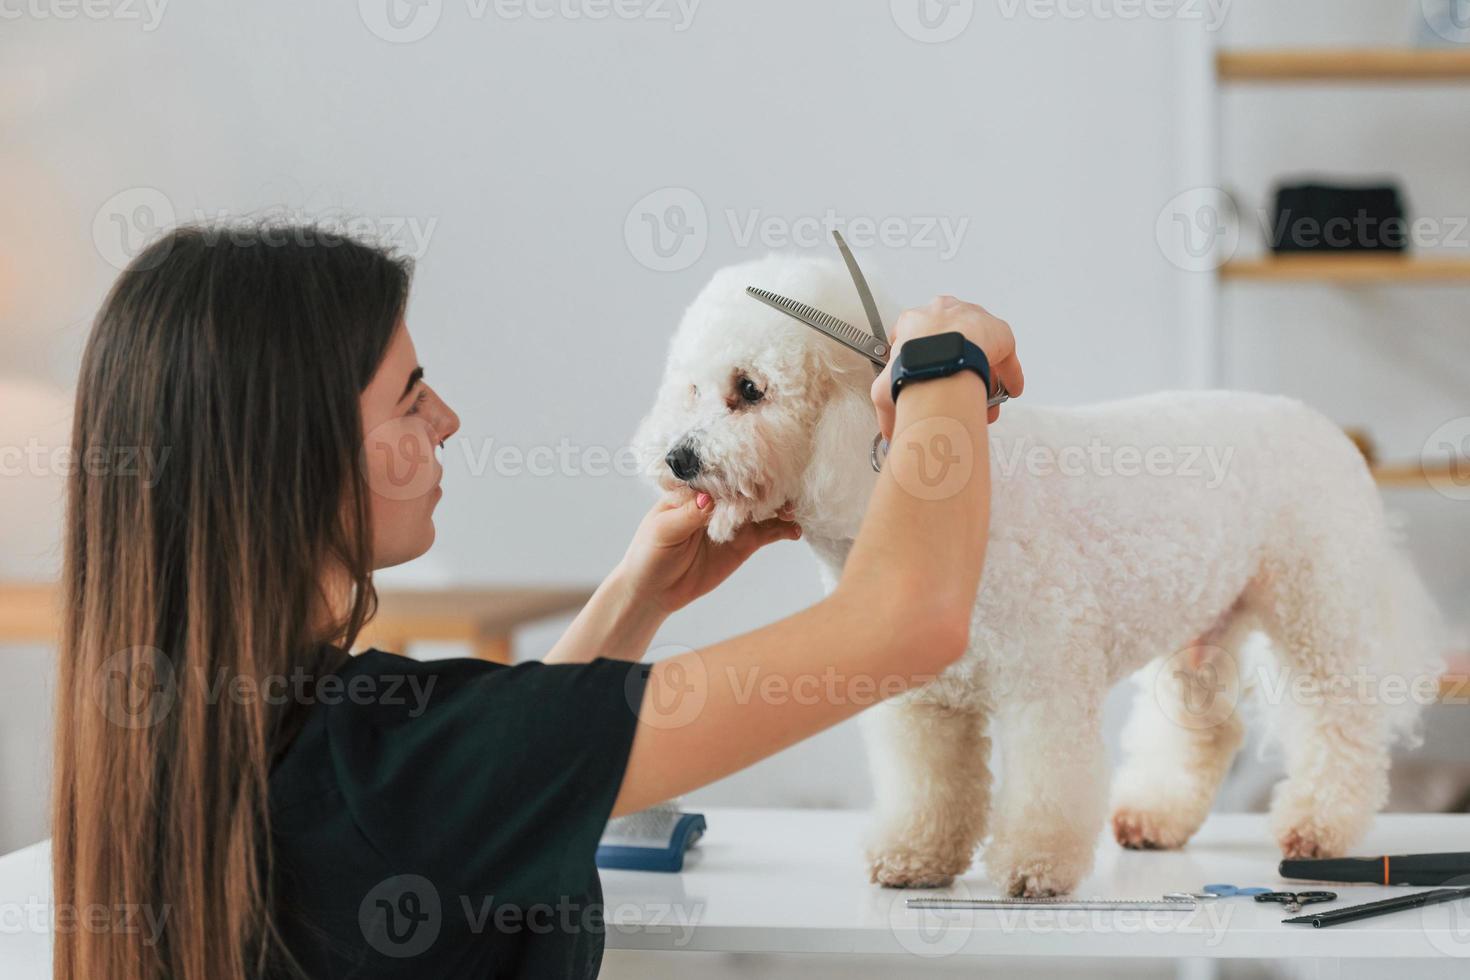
x: 872, y: 345
x: 1293, y: 901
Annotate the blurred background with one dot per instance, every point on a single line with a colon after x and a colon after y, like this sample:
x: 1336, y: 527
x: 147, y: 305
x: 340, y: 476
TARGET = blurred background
x: 568, y: 174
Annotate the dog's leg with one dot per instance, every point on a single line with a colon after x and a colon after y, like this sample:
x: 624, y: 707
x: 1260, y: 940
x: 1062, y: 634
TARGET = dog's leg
x: 1052, y: 797
x: 931, y: 779
x: 1184, y: 730
x: 1335, y: 740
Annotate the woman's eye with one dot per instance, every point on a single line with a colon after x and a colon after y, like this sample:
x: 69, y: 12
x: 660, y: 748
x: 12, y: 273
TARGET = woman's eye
x: 417, y: 403
x: 749, y: 391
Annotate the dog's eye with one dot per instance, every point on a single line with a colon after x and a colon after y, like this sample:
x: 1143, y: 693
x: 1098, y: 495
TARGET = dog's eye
x: 749, y: 391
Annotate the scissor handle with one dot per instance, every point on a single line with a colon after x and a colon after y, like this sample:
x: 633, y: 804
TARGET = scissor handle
x: 1308, y: 898
x: 1299, y: 898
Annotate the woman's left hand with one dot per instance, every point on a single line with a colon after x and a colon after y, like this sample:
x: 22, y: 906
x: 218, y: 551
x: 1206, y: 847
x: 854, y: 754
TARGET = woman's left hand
x: 672, y: 562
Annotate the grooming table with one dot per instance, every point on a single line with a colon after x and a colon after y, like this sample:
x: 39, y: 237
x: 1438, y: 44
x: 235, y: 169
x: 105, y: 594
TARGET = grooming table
x: 794, y: 881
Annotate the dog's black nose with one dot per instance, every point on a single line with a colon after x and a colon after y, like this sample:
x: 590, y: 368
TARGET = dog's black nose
x: 684, y: 461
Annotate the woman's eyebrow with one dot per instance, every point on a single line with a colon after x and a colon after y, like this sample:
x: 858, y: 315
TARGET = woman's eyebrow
x: 414, y: 377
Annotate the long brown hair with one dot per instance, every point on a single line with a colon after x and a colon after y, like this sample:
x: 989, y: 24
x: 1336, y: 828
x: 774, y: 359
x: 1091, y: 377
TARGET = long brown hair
x: 225, y: 367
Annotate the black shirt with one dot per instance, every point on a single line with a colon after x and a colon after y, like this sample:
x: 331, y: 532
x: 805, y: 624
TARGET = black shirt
x: 439, y: 819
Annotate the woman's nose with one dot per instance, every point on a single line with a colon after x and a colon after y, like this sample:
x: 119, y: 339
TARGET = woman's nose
x: 446, y: 422
x: 452, y: 422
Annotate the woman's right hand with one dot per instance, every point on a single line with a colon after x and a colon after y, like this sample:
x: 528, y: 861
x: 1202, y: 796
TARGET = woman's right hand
x: 942, y: 315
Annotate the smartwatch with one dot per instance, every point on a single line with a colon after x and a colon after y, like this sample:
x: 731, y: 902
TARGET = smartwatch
x: 938, y: 356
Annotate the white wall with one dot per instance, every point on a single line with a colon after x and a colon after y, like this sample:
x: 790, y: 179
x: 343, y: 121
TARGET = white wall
x: 1394, y: 361
x: 517, y: 149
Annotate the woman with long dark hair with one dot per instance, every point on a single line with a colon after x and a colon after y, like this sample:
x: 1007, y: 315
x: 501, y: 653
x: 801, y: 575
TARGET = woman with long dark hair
x: 285, y: 808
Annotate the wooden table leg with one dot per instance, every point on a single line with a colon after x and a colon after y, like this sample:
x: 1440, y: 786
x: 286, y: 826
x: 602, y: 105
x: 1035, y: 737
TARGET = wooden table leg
x: 494, y: 648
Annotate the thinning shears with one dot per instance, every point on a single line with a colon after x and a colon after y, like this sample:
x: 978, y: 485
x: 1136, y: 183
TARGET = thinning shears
x: 1292, y: 901
x: 872, y: 344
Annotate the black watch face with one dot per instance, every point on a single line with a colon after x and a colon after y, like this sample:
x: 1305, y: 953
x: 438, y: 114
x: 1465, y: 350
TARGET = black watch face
x: 924, y: 353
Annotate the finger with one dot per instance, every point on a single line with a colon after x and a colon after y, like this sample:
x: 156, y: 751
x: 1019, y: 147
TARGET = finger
x: 951, y: 305
x: 909, y: 322
x: 992, y: 414
x: 882, y: 395
x: 1010, y: 374
x: 787, y: 511
x: 682, y: 496
x: 672, y: 499
x: 753, y: 537
x: 678, y: 523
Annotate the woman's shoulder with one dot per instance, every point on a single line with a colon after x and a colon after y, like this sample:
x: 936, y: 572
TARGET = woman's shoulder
x: 393, y: 746
x: 376, y: 663
x: 343, y: 699
x: 385, y: 708
x: 376, y: 668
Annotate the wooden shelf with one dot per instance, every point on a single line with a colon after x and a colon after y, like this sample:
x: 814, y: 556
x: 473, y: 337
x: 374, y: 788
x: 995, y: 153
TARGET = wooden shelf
x: 29, y: 613
x: 1416, y: 476
x: 483, y: 618
x: 1345, y: 65
x: 1359, y: 268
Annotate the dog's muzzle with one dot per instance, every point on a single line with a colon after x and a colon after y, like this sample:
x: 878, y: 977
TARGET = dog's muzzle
x: 684, y: 461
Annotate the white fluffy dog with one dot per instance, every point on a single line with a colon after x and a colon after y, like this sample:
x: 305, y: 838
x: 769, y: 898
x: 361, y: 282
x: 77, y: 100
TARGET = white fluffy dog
x: 1156, y: 532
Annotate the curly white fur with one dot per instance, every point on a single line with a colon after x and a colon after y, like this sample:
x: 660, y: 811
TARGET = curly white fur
x: 1156, y: 532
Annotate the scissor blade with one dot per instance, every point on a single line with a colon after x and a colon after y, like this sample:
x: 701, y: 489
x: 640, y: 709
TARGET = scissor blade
x: 864, y: 293
x: 841, y: 331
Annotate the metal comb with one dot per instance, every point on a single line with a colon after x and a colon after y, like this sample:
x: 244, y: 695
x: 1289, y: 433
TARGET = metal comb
x: 1167, y: 903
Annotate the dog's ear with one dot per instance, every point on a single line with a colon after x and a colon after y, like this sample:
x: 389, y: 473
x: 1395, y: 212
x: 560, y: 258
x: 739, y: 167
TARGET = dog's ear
x: 839, y: 479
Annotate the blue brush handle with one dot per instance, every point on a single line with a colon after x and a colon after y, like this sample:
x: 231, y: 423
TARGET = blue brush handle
x: 668, y: 859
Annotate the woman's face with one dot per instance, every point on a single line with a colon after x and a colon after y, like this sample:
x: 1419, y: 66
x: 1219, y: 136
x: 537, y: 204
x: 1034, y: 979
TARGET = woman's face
x: 404, y: 425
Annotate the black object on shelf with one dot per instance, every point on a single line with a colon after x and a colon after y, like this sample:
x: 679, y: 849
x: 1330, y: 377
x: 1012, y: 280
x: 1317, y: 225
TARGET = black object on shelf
x: 1337, y: 218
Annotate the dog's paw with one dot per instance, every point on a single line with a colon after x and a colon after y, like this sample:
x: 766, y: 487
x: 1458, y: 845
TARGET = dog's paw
x: 1038, y: 869
x: 1037, y: 879
x: 1144, y: 830
x: 906, y: 867
x: 1311, y: 841
x: 1305, y: 828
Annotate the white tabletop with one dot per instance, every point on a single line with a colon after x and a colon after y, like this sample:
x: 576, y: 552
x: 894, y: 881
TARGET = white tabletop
x: 795, y: 881
x: 26, y: 913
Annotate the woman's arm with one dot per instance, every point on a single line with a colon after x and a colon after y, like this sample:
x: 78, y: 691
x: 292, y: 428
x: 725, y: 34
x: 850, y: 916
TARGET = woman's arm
x: 670, y: 563
x: 616, y: 623
x: 899, y: 616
